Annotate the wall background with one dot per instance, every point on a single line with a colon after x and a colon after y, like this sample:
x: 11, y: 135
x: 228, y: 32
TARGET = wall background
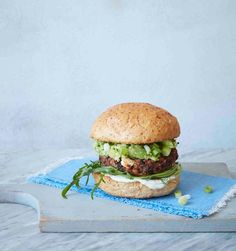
x: 64, y: 62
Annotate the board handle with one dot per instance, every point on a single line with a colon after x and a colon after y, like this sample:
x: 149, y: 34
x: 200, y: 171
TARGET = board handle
x: 19, y: 197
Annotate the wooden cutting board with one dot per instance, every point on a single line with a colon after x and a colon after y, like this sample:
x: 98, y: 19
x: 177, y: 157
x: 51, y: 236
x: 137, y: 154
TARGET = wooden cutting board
x: 81, y: 214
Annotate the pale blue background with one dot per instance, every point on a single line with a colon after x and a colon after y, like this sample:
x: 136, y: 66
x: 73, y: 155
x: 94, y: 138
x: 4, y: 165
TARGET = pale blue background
x: 63, y: 62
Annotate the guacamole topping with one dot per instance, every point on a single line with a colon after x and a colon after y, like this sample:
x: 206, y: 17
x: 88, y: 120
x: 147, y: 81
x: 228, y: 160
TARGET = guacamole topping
x: 143, y: 151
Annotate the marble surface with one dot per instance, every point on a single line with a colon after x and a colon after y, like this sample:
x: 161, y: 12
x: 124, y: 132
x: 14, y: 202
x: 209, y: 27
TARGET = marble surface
x: 18, y: 224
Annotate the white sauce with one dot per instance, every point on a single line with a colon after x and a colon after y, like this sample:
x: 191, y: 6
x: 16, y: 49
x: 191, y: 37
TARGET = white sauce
x: 152, y: 184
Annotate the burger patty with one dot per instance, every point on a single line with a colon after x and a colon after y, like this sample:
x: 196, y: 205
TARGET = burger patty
x: 142, y: 167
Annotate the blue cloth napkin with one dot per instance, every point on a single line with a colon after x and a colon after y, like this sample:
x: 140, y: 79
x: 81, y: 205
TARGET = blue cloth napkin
x: 201, y: 204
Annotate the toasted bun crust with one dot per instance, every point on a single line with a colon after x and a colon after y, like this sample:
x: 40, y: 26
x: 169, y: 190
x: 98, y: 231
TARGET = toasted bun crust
x: 135, y: 123
x: 134, y: 189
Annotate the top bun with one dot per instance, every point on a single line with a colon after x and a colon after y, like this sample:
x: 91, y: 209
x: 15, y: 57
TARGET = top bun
x: 135, y: 123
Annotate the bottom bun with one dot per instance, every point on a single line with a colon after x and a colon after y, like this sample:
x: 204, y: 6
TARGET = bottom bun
x: 134, y: 189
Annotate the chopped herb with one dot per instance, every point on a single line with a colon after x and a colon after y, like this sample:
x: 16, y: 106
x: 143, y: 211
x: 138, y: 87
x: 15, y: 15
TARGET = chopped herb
x: 183, y: 200
x: 188, y: 196
x: 178, y: 193
x: 208, y: 189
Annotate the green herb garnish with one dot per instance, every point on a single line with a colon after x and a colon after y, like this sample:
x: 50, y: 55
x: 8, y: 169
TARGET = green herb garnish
x: 97, y: 184
x: 208, y: 189
x: 96, y: 167
x: 183, y: 200
x: 178, y: 193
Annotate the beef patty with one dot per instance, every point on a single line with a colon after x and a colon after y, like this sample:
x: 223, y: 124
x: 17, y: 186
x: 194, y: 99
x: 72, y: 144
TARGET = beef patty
x: 139, y: 167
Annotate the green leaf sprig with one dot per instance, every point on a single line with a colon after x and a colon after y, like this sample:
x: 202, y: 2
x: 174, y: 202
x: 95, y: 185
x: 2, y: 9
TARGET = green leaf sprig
x: 95, y: 167
x: 85, y: 170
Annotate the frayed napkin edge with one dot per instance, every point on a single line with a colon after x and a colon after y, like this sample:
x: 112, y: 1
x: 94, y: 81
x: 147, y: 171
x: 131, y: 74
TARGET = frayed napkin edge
x: 223, y: 201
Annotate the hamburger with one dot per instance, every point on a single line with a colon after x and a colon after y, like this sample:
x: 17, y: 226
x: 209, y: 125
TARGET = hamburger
x: 136, y: 144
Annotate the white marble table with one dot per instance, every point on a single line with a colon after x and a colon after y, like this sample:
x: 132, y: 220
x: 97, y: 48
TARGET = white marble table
x: 18, y: 224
